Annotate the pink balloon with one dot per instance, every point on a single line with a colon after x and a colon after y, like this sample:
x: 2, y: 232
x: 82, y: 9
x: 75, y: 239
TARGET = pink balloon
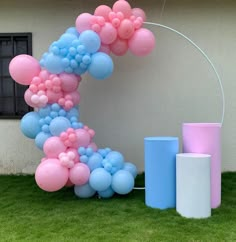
x: 138, y: 12
x: 93, y: 146
x: 76, y: 160
x: 44, y: 75
x: 126, y: 29
x: 83, y: 22
x: 23, y: 68
x: 142, y: 42
x: 108, y: 34
x: 28, y: 94
x: 53, y: 97
x: 51, y: 176
x: 105, y: 48
x: 103, y: 10
x: 124, y: 7
x: 75, y: 97
x: 69, y: 82
x: 119, y: 47
x: 53, y: 147
x: 83, y: 138
x: 79, y: 174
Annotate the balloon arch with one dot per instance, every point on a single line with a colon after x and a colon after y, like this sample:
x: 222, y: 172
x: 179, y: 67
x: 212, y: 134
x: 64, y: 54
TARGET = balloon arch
x: 71, y: 156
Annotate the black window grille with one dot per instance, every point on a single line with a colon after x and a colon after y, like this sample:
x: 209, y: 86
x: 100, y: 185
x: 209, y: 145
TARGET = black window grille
x: 12, y: 103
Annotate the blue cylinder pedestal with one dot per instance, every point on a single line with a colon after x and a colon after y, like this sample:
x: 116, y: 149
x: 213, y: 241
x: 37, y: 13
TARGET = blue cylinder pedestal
x: 160, y: 171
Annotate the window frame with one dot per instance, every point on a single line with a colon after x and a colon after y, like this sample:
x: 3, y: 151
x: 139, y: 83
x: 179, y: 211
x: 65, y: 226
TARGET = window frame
x: 28, y: 35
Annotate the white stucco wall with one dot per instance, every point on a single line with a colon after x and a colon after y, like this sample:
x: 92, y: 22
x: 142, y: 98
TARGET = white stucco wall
x: 145, y: 96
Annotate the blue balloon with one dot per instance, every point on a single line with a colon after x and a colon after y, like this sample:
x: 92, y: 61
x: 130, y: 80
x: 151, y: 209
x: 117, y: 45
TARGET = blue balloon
x: 107, y: 193
x: 84, y: 191
x: 53, y: 64
x: 41, y: 138
x: 58, y: 125
x: 29, y: 125
x: 116, y: 160
x: 66, y: 40
x: 128, y: 166
x: 95, y: 161
x: 100, y: 179
x: 101, y: 66
x: 74, y: 112
x: 122, y: 182
x: 72, y: 30
x: 45, y: 111
x: 90, y: 40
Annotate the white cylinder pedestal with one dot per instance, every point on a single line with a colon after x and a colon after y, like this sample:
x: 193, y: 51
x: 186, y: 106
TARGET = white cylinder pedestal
x: 193, y: 185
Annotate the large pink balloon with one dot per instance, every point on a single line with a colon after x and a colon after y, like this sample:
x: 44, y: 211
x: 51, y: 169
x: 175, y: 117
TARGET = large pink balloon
x: 51, y: 176
x: 23, y: 68
x: 79, y: 174
x: 122, y: 6
x: 53, y: 147
x: 83, y: 22
x: 142, y: 42
x: 138, y: 12
x: 119, y: 47
x: 69, y: 82
x: 103, y: 10
x: 108, y: 34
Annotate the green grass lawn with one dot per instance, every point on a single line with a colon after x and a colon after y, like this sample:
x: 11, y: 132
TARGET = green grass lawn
x: 30, y: 214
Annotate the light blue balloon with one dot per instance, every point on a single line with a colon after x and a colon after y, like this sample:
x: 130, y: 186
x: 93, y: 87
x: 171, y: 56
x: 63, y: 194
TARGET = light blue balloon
x: 100, y: 179
x: 107, y: 193
x: 84, y: 191
x: 45, y: 111
x: 116, y: 159
x: 101, y: 66
x: 74, y: 112
x: 41, y: 138
x: 72, y: 30
x: 29, y: 125
x: 128, y: 166
x: 66, y: 40
x: 90, y: 40
x: 95, y: 161
x: 122, y: 182
x: 58, y: 125
x: 53, y: 64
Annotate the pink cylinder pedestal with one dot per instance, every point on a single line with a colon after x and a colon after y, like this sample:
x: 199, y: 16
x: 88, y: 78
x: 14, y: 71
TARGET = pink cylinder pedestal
x: 205, y: 138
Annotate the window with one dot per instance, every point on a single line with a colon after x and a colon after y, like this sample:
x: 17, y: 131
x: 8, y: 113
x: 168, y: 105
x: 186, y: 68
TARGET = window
x: 12, y: 103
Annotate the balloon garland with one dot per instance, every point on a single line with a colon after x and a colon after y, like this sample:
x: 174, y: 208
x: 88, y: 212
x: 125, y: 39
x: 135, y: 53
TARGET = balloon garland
x: 71, y: 156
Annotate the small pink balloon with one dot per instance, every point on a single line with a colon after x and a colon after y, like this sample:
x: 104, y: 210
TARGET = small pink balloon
x: 119, y: 47
x: 138, y: 12
x: 142, y: 42
x: 103, y: 10
x: 93, y: 146
x: 53, y: 147
x: 76, y: 160
x: 79, y: 174
x: 108, y: 33
x: 53, y: 97
x: 75, y: 97
x: 69, y: 82
x: 105, y: 48
x: 23, y: 68
x: 83, y: 22
x: 51, y: 176
x: 126, y: 29
x: 124, y: 7
x: 27, y: 96
x: 44, y: 75
x: 83, y: 138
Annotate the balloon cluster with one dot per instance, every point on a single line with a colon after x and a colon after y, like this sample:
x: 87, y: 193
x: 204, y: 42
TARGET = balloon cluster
x: 119, y: 28
x: 71, y: 156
